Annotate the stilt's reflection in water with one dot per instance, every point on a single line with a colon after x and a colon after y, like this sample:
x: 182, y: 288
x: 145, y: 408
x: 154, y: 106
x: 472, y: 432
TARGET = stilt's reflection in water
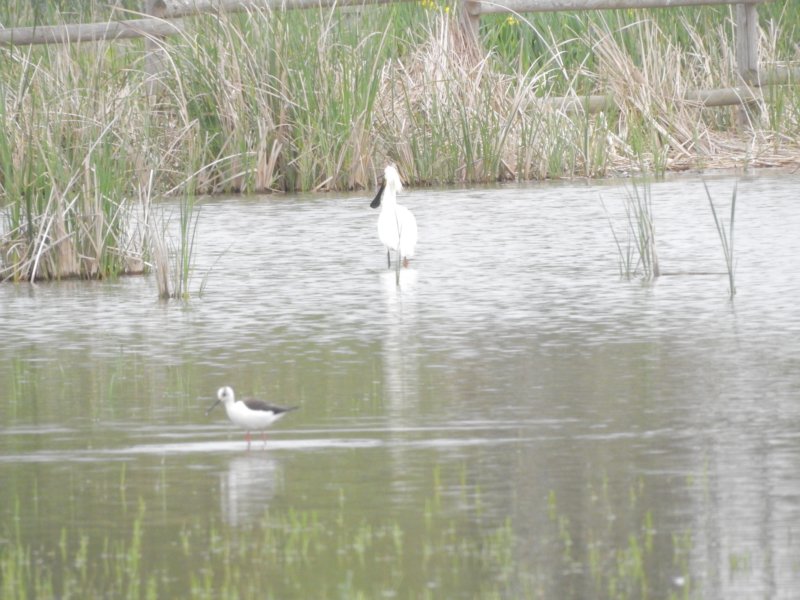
x: 247, y: 487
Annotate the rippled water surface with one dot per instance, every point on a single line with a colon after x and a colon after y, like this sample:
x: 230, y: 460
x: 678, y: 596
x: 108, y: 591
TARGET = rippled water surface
x: 512, y: 420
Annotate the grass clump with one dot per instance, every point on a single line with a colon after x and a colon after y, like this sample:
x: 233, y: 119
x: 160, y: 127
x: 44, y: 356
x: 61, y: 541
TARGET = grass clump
x: 79, y: 161
x: 638, y: 255
x: 65, y: 214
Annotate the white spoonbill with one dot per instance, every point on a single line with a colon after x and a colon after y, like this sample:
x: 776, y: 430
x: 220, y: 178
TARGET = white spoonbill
x: 397, y: 227
x: 249, y: 414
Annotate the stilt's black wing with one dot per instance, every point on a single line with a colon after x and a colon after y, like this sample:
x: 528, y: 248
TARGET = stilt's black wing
x: 260, y: 405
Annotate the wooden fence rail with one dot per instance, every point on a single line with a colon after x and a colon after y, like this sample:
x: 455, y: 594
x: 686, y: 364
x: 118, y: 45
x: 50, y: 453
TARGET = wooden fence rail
x: 166, y: 18
x: 174, y: 9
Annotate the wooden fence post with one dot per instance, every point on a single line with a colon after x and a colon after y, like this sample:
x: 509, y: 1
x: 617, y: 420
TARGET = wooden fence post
x: 155, y: 58
x: 470, y: 22
x: 747, y: 42
x: 747, y: 56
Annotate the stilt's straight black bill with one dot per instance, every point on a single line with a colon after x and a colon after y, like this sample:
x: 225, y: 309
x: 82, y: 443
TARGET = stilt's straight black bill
x: 212, y: 407
x: 376, y: 202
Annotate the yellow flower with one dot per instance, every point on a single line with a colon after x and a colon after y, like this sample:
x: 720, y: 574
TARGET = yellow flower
x: 511, y: 20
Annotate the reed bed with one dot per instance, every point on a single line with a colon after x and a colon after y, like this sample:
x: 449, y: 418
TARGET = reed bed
x: 322, y: 99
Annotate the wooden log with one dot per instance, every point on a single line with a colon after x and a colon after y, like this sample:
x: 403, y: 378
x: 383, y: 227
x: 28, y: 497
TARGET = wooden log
x: 470, y: 19
x: 590, y: 104
x: 706, y: 98
x: 523, y: 6
x: 88, y: 32
x: 155, y: 59
x: 777, y: 76
x: 724, y: 96
x: 172, y: 9
x: 183, y: 8
x: 179, y: 8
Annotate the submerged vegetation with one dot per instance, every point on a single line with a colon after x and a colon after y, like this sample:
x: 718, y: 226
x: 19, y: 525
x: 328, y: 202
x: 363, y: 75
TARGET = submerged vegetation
x: 619, y: 549
x: 321, y: 99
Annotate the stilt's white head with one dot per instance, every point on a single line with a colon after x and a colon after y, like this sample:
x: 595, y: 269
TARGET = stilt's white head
x: 224, y: 396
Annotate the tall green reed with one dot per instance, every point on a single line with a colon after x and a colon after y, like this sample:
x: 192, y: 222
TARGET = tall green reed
x: 171, y: 254
x: 625, y: 252
x: 64, y: 160
x: 637, y: 255
x: 444, y: 117
x: 725, y: 237
x: 285, y: 104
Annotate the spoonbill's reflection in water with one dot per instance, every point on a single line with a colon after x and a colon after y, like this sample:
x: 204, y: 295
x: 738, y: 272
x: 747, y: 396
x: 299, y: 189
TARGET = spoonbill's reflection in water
x: 401, y: 356
x: 397, y: 227
x: 400, y: 345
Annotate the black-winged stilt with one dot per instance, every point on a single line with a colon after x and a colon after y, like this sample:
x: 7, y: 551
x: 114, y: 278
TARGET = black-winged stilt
x: 249, y: 413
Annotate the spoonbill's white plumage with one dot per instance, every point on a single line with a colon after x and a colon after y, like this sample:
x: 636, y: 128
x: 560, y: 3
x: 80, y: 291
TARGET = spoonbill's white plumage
x: 397, y: 227
x: 250, y: 414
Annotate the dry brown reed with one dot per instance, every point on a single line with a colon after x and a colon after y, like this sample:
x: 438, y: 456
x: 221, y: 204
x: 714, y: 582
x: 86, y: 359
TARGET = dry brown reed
x: 445, y: 115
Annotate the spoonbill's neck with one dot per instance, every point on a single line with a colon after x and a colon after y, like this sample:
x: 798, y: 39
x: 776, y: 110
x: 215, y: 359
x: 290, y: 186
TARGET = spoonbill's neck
x: 389, y: 200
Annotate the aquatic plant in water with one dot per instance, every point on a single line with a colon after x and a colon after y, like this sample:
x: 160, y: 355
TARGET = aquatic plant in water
x: 171, y: 261
x: 638, y: 256
x: 725, y: 237
x: 64, y: 220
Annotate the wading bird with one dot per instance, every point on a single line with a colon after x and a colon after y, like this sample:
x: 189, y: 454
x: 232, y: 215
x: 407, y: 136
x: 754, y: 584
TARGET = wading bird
x: 249, y: 414
x: 397, y: 227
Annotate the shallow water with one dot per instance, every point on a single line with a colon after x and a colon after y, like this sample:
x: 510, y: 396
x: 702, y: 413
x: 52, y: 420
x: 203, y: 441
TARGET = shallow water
x: 513, y: 420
